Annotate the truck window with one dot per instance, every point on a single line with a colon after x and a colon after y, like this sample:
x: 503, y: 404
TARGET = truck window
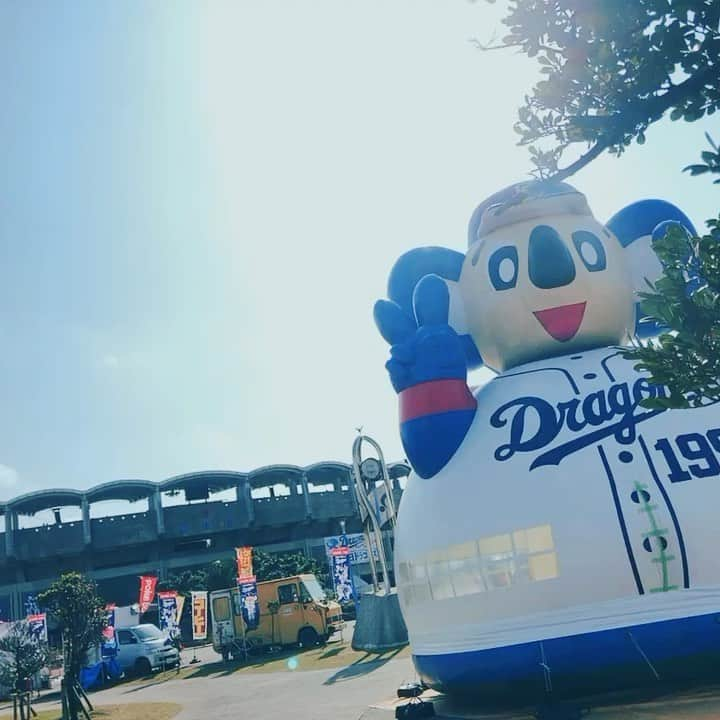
x: 125, y: 637
x: 288, y: 594
x: 221, y: 608
x: 311, y: 587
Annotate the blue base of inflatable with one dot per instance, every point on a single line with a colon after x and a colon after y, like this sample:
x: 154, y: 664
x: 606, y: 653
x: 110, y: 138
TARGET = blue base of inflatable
x: 657, y: 655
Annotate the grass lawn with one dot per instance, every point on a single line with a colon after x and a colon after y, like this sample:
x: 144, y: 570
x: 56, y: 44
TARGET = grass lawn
x: 332, y: 655
x: 132, y: 711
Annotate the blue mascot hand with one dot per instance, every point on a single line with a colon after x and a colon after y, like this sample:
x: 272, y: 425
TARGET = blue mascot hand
x: 425, y: 347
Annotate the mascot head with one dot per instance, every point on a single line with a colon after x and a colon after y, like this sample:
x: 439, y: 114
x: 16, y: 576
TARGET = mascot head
x: 543, y: 277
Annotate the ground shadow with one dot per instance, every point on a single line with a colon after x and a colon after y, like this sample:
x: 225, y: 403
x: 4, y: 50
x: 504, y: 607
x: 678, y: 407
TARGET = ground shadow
x: 362, y: 666
x: 216, y: 669
x: 136, y: 685
x: 332, y: 652
x: 45, y: 697
x: 255, y: 661
x: 52, y: 696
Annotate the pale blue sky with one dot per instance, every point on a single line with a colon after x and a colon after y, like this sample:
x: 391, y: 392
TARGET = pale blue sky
x: 200, y: 202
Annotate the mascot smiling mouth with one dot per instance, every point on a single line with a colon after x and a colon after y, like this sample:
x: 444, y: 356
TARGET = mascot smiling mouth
x: 563, y: 321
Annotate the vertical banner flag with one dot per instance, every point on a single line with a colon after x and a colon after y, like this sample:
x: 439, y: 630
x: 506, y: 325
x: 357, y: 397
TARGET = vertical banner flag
x: 109, y: 631
x: 148, y: 583
x: 342, y: 580
x: 378, y: 497
x: 247, y: 588
x: 38, y: 626
x: 249, y: 602
x: 243, y: 556
x: 167, y: 611
x: 199, y: 614
x: 108, y: 647
x: 180, y: 608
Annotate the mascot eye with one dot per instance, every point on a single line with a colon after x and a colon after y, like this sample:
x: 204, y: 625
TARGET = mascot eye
x: 590, y: 249
x: 503, y: 268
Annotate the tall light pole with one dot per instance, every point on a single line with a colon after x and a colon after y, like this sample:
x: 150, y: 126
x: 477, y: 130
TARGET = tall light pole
x: 379, y: 625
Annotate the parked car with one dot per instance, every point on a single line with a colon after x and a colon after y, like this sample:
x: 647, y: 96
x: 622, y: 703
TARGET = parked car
x: 142, y: 649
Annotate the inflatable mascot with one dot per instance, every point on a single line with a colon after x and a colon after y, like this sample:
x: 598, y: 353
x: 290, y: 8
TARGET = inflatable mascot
x: 556, y: 538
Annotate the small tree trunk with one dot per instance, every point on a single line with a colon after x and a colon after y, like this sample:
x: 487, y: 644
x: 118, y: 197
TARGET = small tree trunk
x: 64, y: 698
x: 70, y: 694
x: 75, y: 703
x: 72, y: 702
x: 84, y: 696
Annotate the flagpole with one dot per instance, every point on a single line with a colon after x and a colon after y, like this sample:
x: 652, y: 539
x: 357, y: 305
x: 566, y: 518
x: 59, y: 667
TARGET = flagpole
x: 194, y: 660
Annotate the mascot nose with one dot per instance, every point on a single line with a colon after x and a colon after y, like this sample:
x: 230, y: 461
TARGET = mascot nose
x: 550, y: 264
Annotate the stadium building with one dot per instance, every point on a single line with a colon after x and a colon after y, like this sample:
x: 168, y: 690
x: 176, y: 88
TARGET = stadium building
x: 122, y: 529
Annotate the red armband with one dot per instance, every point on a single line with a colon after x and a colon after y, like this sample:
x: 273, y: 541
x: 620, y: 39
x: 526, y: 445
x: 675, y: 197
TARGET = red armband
x: 436, y: 396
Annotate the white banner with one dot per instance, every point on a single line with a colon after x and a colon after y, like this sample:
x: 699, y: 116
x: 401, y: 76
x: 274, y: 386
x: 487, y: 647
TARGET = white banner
x: 356, y: 544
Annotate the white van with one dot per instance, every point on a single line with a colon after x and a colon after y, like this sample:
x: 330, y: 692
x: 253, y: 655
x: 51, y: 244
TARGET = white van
x: 141, y: 649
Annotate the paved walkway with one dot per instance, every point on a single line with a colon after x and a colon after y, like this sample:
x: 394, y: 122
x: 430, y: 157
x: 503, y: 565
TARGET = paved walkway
x: 340, y: 694
x: 364, y: 690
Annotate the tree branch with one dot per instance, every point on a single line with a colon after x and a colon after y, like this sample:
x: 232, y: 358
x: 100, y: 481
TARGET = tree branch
x: 484, y: 48
x: 654, y: 108
x: 597, y: 149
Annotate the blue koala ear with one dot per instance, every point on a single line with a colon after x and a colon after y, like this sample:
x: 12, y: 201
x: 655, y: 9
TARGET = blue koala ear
x: 414, y: 265
x: 634, y: 227
x: 447, y: 264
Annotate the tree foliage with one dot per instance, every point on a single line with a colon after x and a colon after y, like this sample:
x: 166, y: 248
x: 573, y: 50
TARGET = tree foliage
x: 75, y: 606
x: 223, y: 573
x: 610, y: 69
x: 185, y: 581
x: 22, y: 655
x: 271, y: 566
x: 686, y: 300
x: 73, y: 603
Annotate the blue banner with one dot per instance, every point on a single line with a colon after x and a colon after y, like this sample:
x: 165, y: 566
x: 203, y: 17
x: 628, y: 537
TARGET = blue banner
x: 342, y: 578
x: 249, y: 602
x: 167, y: 610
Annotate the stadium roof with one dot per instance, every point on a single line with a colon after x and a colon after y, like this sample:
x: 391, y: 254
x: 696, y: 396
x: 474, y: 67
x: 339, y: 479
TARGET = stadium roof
x: 196, y: 485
